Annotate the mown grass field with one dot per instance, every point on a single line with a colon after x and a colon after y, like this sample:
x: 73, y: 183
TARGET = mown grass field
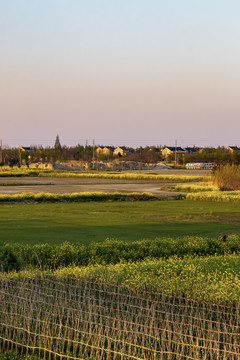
x: 88, y: 222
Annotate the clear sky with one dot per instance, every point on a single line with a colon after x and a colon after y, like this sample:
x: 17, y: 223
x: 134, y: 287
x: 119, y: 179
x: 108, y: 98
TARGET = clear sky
x: 131, y: 72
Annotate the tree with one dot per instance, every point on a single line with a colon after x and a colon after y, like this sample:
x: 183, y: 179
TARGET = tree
x: 57, y: 144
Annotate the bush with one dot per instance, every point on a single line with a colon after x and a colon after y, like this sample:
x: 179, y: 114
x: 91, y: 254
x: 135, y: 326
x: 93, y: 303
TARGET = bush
x: 9, y: 260
x: 227, y: 177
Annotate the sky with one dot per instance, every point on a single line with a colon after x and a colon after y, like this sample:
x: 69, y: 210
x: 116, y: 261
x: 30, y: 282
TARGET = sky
x: 120, y: 72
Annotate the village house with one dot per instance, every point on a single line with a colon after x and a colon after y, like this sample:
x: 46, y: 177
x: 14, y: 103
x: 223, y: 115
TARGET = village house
x: 119, y: 152
x: 26, y: 149
x: 170, y: 150
x: 192, y: 150
x: 231, y: 149
x: 104, y: 150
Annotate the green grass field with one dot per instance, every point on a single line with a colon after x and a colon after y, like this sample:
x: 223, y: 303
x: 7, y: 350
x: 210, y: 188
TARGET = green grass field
x: 88, y: 222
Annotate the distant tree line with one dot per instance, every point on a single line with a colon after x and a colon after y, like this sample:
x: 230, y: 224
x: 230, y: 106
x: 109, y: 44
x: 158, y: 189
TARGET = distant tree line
x: 15, y: 156
x: 219, y: 155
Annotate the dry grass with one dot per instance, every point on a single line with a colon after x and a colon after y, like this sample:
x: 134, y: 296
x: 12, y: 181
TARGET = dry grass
x: 227, y: 177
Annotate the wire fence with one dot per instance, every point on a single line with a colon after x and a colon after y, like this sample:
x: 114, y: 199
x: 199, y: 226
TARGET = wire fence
x: 77, y: 319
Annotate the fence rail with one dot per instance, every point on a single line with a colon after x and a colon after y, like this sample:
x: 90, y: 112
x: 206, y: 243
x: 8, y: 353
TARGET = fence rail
x: 85, y: 320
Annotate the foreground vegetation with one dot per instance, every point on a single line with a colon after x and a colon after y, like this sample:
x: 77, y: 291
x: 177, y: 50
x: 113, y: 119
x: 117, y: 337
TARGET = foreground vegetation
x: 207, y: 278
x: 155, y: 309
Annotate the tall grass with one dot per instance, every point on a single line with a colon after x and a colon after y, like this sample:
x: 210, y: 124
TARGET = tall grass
x: 196, y: 188
x: 227, y: 177
x: 220, y: 196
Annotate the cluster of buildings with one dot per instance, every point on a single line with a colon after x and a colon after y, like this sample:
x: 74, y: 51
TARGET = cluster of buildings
x: 110, y: 150
x: 166, y: 151
x: 170, y: 150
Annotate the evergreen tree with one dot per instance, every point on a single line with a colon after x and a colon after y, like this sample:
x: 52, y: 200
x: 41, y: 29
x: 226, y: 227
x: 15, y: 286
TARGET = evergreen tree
x: 57, y: 143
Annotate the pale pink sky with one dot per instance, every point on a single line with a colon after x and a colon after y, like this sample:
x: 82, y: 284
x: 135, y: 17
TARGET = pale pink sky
x: 137, y: 73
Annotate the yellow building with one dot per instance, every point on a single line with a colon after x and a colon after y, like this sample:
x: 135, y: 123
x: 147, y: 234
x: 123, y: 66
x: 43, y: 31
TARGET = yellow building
x: 119, y: 152
x: 104, y: 150
x: 170, y: 150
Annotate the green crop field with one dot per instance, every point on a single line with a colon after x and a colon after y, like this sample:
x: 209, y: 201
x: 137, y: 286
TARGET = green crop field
x: 88, y: 222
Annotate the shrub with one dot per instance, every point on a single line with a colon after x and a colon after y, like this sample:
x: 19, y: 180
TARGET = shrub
x: 9, y: 260
x: 227, y: 177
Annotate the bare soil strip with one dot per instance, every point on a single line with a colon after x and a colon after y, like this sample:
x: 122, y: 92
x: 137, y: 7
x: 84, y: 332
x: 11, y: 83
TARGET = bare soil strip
x: 72, y: 185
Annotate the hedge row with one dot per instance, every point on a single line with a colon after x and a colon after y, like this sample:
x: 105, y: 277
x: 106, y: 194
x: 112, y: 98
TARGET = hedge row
x: 76, y: 197
x: 111, y: 251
